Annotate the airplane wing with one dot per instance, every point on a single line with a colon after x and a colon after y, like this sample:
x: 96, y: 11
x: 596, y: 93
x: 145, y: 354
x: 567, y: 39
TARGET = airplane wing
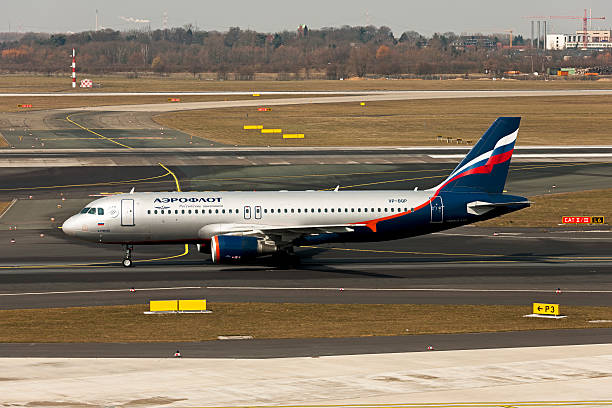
x: 278, y: 233
x: 482, y: 207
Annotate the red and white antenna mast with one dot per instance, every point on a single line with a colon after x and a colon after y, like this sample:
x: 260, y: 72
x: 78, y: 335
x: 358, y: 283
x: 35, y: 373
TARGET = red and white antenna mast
x: 73, y: 68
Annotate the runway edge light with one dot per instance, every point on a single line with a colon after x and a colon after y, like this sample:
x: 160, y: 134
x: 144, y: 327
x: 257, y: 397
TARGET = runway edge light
x: 546, y: 310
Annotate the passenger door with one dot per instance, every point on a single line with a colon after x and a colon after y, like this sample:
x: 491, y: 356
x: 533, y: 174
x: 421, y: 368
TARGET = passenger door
x: 127, y: 212
x: 247, y: 212
x: 258, y: 212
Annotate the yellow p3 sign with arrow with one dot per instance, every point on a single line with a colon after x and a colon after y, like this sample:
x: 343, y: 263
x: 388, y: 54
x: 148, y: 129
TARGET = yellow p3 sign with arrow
x: 546, y: 309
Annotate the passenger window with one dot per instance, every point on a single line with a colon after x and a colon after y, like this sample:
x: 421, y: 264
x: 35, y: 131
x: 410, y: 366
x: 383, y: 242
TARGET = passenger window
x: 265, y: 210
x: 271, y: 210
x: 352, y: 210
x: 385, y: 209
x: 216, y: 211
x: 92, y: 211
x: 319, y: 210
x: 285, y: 211
x: 182, y: 211
x: 100, y: 211
x: 331, y: 209
x: 305, y: 210
x: 148, y: 211
x: 299, y: 210
x: 405, y: 209
x: 162, y: 211
x: 292, y: 211
x: 379, y: 210
x: 176, y: 211
x: 371, y: 210
x: 326, y: 210
x: 346, y: 210
x: 223, y: 211
x: 210, y: 211
x: 84, y: 210
x: 155, y: 211
x: 365, y: 210
x: 339, y: 209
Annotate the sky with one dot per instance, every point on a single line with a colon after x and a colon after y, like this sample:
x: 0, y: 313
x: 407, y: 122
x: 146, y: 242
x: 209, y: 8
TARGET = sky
x: 426, y: 17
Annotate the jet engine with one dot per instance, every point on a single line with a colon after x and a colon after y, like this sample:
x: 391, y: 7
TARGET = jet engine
x: 231, y: 248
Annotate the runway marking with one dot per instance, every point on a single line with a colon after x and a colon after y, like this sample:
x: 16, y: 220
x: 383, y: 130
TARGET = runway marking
x: 97, y: 134
x: 272, y: 288
x: 323, y: 289
x: 107, y: 183
x: 178, y: 187
x: 70, y: 292
x: 542, y: 258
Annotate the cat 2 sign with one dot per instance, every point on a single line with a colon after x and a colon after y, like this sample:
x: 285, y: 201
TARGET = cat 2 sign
x: 582, y: 220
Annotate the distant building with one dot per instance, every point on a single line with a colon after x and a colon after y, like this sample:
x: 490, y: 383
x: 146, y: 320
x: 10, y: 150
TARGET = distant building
x: 596, y: 39
x: 474, y: 41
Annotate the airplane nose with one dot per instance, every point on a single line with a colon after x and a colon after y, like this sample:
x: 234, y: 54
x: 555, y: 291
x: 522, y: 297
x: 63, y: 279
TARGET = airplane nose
x: 69, y: 226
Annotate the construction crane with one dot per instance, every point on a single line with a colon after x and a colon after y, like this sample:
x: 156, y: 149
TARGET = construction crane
x: 585, y: 23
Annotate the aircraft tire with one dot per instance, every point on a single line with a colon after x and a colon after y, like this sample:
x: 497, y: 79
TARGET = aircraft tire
x: 127, y: 263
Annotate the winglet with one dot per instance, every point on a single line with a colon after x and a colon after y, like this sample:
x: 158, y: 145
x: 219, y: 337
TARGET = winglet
x: 337, y: 187
x: 132, y: 190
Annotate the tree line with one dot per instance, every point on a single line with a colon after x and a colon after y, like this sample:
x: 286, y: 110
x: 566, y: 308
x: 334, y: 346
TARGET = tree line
x: 336, y: 52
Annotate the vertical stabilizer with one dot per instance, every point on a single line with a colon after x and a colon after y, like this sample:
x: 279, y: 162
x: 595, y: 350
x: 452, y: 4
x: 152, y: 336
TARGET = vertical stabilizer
x: 485, y: 168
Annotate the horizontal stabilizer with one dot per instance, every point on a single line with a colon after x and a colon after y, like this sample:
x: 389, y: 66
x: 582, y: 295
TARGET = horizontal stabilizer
x: 483, y: 207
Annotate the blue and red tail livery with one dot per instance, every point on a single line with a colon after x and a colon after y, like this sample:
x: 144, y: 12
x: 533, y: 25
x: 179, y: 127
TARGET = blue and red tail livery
x: 485, y: 168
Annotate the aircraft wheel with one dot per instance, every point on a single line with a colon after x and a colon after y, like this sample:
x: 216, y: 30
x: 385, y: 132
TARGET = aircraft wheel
x: 127, y: 263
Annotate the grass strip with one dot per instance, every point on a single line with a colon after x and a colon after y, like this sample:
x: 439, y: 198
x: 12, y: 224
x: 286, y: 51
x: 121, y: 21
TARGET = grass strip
x: 580, y: 120
x: 278, y: 320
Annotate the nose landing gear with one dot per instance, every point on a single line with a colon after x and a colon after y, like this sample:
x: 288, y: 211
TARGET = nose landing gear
x: 127, y: 260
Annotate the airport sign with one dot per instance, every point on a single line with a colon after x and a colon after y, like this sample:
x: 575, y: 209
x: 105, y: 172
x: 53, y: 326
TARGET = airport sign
x: 583, y: 220
x: 546, y: 309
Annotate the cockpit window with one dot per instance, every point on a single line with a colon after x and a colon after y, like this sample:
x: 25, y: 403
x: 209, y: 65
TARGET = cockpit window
x: 84, y: 210
x: 92, y: 211
x: 100, y: 211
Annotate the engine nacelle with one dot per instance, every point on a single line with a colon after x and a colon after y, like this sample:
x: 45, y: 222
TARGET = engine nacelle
x: 231, y: 248
x: 203, y: 248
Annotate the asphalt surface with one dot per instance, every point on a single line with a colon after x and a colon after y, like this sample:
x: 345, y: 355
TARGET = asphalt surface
x: 72, y: 182
x: 380, y: 96
x: 279, y: 348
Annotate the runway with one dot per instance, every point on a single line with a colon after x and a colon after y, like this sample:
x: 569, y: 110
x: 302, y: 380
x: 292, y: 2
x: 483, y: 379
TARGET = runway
x: 467, y: 265
x: 378, y: 96
x: 290, y: 348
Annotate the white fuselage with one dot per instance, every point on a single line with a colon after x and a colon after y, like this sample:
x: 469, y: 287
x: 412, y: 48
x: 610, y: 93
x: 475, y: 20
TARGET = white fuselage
x: 185, y: 216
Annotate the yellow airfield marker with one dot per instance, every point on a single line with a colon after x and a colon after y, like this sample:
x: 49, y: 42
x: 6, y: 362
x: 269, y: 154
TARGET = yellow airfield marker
x: 362, y: 104
x: 293, y: 136
x: 255, y: 94
x: 271, y: 130
x: 257, y: 127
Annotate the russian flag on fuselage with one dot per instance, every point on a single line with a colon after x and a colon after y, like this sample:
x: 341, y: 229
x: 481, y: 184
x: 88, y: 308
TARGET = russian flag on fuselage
x: 485, y: 168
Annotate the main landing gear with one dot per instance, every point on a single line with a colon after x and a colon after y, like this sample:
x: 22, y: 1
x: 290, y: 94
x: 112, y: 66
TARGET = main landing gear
x: 127, y: 260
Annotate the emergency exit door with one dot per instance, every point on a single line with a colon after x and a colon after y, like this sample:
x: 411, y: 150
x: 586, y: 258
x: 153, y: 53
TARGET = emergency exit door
x: 127, y: 212
x: 247, y: 212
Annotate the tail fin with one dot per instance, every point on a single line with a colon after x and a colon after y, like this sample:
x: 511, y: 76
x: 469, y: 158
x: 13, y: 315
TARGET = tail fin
x: 485, y: 168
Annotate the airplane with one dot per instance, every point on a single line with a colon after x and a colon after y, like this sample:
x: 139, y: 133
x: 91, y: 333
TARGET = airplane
x: 241, y: 226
